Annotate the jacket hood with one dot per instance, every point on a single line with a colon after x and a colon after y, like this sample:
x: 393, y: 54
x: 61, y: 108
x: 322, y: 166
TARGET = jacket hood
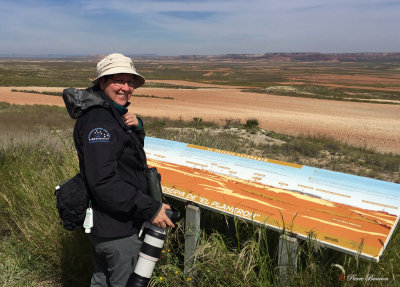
x: 79, y: 101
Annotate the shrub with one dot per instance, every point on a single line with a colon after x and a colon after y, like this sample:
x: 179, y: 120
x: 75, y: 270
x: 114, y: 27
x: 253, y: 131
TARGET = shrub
x: 251, y: 124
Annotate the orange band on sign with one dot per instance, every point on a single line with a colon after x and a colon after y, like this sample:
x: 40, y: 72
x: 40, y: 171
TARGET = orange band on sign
x: 341, y: 226
x: 246, y: 156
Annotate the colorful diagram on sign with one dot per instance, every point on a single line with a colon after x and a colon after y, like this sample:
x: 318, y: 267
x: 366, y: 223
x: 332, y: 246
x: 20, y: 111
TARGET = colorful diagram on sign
x: 346, y: 212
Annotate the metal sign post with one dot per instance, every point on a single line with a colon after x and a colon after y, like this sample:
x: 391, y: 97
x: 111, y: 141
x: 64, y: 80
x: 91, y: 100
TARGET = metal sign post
x: 192, y: 233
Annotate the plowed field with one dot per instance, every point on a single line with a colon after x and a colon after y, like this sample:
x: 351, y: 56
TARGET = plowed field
x: 363, y: 124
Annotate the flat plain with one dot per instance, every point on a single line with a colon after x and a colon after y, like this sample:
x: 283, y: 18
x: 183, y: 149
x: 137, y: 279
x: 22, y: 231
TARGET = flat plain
x: 276, y: 94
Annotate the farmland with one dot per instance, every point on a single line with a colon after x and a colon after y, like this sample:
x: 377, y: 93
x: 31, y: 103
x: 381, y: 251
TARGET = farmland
x: 353, y: 102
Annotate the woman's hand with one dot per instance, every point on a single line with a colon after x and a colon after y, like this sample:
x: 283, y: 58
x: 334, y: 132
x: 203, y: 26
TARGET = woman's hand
x: 161, y: 219
x: 130, y: 119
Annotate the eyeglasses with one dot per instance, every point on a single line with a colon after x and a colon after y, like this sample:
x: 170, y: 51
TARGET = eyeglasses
x: 120, y: 83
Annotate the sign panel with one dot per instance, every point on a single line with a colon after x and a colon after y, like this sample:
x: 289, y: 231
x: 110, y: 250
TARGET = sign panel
x: 346, y: 212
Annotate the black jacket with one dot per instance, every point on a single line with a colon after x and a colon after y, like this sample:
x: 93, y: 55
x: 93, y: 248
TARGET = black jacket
x: 112, y: 162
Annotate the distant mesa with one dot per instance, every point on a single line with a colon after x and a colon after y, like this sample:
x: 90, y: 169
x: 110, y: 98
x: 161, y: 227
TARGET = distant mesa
x: 283, y: 57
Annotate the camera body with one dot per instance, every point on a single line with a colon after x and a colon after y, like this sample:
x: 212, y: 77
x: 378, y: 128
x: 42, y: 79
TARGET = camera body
x: 173, y: 214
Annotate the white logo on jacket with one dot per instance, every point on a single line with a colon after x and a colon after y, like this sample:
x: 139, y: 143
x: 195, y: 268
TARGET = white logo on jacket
x: 99, y: 135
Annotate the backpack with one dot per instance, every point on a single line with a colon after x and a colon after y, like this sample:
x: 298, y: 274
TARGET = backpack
x: 72, y: 202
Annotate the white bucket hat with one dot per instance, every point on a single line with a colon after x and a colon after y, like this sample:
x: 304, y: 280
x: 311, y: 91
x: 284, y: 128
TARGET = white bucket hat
x: 118, y: 64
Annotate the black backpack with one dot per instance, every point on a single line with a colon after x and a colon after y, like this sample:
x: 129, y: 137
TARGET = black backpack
x: 72, y: 202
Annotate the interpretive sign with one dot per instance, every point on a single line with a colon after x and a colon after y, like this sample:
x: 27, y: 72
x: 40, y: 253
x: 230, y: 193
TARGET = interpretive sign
x: 346, y: 212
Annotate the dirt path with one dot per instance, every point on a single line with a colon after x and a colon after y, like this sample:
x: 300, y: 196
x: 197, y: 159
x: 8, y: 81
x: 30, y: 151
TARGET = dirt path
x: 362, y: 124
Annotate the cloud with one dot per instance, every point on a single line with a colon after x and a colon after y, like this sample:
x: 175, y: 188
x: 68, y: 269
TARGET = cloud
x: 206, y: 27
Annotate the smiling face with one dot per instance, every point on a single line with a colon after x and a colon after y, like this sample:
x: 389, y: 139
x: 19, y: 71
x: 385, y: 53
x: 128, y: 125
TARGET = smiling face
x: 118, y: 88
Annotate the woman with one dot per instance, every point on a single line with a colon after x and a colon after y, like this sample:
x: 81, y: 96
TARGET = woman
x: 109, y: 141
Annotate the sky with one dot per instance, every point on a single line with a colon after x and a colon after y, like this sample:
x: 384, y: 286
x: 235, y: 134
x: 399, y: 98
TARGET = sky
x: 198, y: 27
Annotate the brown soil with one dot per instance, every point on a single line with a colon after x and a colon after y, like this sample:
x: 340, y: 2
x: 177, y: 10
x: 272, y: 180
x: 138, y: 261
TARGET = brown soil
x: 363, y: 124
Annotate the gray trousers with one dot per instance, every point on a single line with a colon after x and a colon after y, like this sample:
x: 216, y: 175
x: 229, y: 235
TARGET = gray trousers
x: 114, y: 260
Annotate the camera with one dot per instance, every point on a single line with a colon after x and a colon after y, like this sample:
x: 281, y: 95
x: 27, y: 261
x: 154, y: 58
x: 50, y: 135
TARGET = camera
x: 173, y: 214
x: 153, y: 238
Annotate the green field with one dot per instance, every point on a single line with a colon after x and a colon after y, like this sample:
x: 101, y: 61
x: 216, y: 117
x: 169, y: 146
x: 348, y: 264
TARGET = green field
x: 274, y: 77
